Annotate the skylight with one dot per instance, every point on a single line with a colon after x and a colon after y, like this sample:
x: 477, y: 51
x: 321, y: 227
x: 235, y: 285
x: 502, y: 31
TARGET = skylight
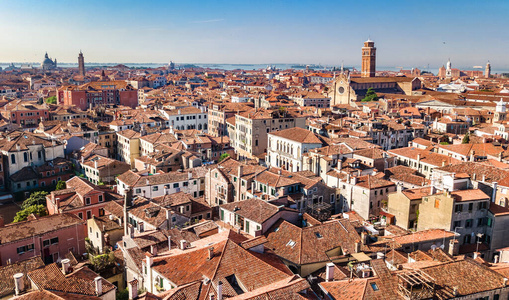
x: 291, y: 243
x: 374, y: 287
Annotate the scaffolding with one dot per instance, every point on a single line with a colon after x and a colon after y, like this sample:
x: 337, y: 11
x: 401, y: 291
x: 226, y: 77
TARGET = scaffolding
x: 416, y: 285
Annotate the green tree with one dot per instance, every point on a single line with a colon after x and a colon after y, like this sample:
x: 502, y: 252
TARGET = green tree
x: 466, y: 138
x: 51, y: 100
x: 223, y: 156
x: 35, y: 198
x: 61, y: 185
x: 370, y: 96
x: 22, y: 215
x: 102, y: 261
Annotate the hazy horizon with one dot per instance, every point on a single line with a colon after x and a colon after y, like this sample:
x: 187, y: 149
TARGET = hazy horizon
x: 261, y: 32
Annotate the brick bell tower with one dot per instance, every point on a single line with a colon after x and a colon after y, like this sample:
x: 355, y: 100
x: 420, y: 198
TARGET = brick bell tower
x: 368, y: 59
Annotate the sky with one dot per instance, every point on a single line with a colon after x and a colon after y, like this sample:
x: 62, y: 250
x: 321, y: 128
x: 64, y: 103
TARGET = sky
x: 406, y: 33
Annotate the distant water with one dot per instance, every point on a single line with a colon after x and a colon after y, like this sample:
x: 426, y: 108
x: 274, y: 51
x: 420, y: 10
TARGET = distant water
x: 433, y: 70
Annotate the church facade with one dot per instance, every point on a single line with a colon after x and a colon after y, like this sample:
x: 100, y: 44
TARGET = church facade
x: 346, y: 89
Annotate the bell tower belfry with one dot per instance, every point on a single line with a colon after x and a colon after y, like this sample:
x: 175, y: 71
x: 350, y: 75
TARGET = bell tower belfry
x: 368, y: 59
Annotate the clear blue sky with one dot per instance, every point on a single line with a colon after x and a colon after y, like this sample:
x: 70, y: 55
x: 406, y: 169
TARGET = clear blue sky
x: 406, y: 33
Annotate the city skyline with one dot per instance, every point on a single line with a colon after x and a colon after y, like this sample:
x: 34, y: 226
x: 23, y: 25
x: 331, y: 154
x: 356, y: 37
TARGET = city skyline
x: 328, y: 33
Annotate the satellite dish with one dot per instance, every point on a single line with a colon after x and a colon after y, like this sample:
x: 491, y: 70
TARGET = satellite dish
x: 433, y: 247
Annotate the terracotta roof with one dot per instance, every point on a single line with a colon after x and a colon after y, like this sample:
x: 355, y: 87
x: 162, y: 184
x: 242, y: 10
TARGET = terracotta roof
x: 79, y: 282
x: 469, y: 195
x: 7, y: 271
x: 298, y: 134
x: 311, y: 244
x: 253, y: 209
x: 28, y: 229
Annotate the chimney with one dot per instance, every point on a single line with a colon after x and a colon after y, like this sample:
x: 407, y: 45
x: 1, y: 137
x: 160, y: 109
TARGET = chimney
x: 220, y: 290
x: 19, y: 283
x: 364, y: 238
x: 476, y: 255
x: 494, y: 193
x: 153, y: 250
x: 399, y: 187
x: 453, y: 247
x: 211, y: 253
x: 455, y: 291
x: 183, y: 244
x: 95, y: 164
x: 357, y: 247
x: 483, y: 178
x: 505, y: 282
x: 66, y: 264
x: 133, y: 289
x: 169, y: 243
x: 240, y: 170
x: 418, y: 157
x: 98, y: 285
x: 495, y: 259
x: 443, y: 163
x: 472, y: 156
x: 354, y: 180
x: 329, y: 271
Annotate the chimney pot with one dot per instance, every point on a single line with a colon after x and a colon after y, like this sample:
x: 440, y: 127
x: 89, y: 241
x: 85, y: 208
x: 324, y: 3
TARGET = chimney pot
x: 220, y: 290
x: 183, y: 244
x: 19, y: 284
x: 211, y: 253
x: 329, y: 272
x: 98, y: 285
x: 66, y: 264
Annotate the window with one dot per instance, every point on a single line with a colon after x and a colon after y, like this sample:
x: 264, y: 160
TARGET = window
x: 80, y: 215
x: 100, y: 198
x: 155, y: 188
x: 89, y: 214
x: 13, y: 159
x: 374, y: 287
x: 25, y: 156
x: 470, y: 207
x: 87, y: 201
x: 437, y: 203
x: 138, y: 191
x: 101, y: 212
x: 45, y: 243
x: 467, y: 239
x: 175, y: 185
x: 468, y: 223
x: 54, y: 240
x: 456, y: 224
x: 458, y: 208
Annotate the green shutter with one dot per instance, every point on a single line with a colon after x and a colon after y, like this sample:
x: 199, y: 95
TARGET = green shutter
x: 247, y: 226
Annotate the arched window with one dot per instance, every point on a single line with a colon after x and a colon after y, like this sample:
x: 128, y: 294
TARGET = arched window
x: 13, y: 159
x: 25, y: 156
